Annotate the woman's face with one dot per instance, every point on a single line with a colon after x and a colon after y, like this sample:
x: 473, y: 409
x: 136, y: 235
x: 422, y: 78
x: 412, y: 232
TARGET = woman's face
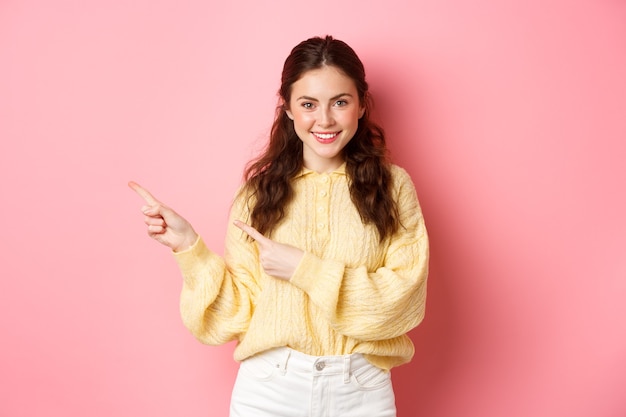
x: 325, y: 110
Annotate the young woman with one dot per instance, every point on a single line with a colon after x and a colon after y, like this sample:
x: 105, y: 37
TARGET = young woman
x: 326, y: 255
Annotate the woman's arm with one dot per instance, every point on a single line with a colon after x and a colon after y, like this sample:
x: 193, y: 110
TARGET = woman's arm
x: 217, y: 295
x: 380, y: 304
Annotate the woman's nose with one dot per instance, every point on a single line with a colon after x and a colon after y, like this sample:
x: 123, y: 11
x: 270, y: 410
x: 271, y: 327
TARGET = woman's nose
x: 325, y: 118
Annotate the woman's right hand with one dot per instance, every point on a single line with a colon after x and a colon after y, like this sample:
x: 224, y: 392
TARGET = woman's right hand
x: 164, y: 224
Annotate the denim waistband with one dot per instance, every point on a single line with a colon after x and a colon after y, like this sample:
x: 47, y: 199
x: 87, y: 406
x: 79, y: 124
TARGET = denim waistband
x: 290, y: 360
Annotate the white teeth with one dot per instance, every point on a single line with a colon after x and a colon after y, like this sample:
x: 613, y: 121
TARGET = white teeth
x: 325, y: 135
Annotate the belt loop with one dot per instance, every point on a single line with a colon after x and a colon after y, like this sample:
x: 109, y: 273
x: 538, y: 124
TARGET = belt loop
x: 282, y: 365
x: 346, y: 369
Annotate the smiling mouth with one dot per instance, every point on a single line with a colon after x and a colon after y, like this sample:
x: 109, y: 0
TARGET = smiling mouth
x: 325, y: 137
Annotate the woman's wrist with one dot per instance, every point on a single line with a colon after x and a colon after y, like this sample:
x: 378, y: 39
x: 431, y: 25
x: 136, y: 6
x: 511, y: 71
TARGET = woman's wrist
x: 188, y: 241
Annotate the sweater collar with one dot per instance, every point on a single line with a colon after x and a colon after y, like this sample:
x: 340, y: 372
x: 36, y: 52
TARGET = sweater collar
x: 341, y: 170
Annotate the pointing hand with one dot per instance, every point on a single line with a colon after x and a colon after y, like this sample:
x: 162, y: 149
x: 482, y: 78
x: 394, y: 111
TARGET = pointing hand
x: 164, y: 224
x: 277, y: 259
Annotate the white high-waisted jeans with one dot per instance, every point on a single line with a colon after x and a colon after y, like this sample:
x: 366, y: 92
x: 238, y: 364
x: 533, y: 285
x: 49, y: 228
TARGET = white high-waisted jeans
x: 283, y: 382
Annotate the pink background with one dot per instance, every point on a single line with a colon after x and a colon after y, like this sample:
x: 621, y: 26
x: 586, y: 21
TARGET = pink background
x: 509, y: 115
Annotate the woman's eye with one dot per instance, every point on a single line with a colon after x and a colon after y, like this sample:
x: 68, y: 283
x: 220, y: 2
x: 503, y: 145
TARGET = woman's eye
x: 307, y: 105
x: 341, y: 103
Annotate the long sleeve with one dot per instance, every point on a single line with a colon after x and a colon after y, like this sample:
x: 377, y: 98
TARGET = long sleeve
x: 378, y: 304
x: 217, y: 297
x: 350, y: 292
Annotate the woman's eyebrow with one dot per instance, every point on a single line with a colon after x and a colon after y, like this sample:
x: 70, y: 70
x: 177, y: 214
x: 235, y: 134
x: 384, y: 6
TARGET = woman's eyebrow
x: 332, y: 98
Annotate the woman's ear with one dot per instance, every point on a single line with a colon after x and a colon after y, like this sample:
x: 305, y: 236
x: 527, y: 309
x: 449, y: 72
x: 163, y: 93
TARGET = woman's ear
x: 361, y: 111
x: 285, y: 108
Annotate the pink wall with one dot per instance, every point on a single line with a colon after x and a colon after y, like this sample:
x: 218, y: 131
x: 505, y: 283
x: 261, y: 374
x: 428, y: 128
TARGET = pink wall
x: 510, y: 116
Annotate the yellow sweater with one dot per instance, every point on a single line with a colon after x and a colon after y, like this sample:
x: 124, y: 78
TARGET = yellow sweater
x: 349, y: 293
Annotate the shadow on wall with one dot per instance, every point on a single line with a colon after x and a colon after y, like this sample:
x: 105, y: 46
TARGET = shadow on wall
x: 421, y: 384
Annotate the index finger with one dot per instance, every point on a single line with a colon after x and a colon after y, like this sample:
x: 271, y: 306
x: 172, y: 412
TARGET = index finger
x: 251, y: 231
x: 143, y: 193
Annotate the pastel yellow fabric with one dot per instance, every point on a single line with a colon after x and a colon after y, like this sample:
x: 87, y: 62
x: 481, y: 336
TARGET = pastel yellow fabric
x: 350, y: 293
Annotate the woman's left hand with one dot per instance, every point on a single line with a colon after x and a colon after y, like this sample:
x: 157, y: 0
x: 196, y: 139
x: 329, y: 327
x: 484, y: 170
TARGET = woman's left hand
x: 277, y: 259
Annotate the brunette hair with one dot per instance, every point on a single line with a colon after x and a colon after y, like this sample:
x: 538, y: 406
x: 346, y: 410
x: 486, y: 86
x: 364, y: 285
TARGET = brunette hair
x: 268, y: 177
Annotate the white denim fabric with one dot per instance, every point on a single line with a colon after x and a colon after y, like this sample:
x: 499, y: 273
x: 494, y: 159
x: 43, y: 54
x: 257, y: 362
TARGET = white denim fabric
x: 283, y: 382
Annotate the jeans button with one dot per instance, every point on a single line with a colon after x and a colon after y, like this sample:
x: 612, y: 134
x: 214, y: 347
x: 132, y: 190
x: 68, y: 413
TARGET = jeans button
x: 320, y: 365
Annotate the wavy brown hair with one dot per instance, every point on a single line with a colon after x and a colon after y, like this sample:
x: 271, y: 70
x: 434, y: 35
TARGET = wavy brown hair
x: 268, y: 177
